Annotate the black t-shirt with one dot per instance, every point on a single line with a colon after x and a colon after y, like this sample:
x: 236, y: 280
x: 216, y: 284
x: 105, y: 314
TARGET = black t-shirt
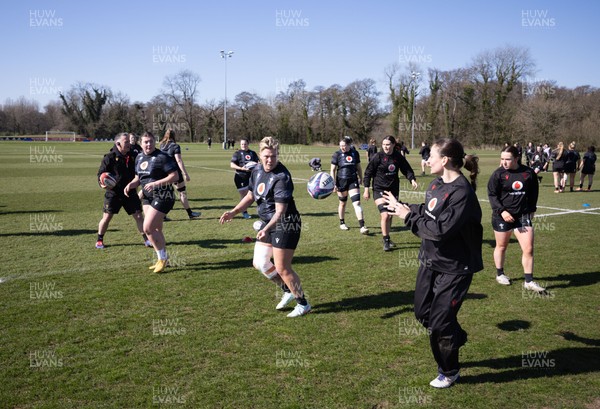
x: 347, y: 163
x: 383, y: 169
x: 571, y: 159
x: 170, y: 148
x: 515, y: 191
x: 122, y: 167
x: 371, y: 151
x: 241, y: 157
x: 272, y: 187
x: 589, y: 163
x: 155, y: 166
x: 425, y: 152
x: 449, y: 225
x: 135, y: 150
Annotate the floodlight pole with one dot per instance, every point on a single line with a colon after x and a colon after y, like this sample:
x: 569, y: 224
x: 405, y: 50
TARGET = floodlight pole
x: 415, y: 76
x: 225, y: 56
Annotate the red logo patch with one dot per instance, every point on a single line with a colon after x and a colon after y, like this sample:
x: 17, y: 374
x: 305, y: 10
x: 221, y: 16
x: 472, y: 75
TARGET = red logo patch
x: 431, y: 204
x: 261, y: 189
x: 517, y: 185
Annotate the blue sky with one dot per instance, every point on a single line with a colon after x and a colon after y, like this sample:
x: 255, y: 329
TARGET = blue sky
x: 131, y: 46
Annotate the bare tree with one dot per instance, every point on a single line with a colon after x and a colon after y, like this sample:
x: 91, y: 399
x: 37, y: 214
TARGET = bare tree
x: 181, y: 90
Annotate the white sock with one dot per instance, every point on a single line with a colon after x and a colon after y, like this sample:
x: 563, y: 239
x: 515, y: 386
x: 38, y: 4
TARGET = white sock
x: 161, y: 254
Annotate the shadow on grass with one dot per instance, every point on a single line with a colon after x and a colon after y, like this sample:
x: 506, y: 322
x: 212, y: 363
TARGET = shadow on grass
x: 320, y: 214
x: 536, y: 364
x: 28, y: 211
x: 390, y: 299
x: 514, y: 325
x: 208, y: 244
x: 247, y: 263
x: 574, y: 280
x: 57, y: 233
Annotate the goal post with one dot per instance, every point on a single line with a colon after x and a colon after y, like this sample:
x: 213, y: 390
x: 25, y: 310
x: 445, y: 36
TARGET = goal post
x: 60, y: 136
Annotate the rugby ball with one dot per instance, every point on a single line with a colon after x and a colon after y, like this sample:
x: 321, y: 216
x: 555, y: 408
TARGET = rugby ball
x: 320, y: 185
x: 107, y: 181
x: 250, y: 165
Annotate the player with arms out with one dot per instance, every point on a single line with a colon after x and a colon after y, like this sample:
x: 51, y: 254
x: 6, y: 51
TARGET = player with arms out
x: 242, y: 162
x: 449, y: 225
x: 272, y: 188
x: 155, y: 172
x: 120, y: 163
x: 347, y: 173
x: 383, y: 171
x: 513, y: 193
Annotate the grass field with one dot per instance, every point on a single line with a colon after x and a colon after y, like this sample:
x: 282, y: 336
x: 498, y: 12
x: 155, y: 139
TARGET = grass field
x: 88, y: 328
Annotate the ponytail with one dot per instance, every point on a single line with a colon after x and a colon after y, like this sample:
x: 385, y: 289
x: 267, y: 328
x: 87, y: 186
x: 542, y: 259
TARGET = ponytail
x: 472, y: 165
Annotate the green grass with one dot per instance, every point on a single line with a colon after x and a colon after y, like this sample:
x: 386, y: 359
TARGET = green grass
x: 84, y: 328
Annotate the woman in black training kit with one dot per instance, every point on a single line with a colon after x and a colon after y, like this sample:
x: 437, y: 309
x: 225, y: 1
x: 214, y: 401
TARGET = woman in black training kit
x: 449, y: 225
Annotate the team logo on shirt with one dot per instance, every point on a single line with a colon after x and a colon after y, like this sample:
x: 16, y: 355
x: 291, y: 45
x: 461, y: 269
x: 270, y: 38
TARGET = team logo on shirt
x: 348, y: 158
x: 392, y: 167
x: 261, y: 188
x: 247, y: 157
x: 144, y: 165
x: 517, y: 185
x: 432, y: 203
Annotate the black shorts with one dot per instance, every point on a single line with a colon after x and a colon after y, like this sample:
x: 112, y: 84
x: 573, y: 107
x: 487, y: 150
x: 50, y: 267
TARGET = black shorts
x: 500, y: 225
x: 344, y: 185
x: 588, y: 170
x: 114, y: 201
x: 286, y: 234
x: 378, y: 193
x: 241, y: 182
x: 161, y: 200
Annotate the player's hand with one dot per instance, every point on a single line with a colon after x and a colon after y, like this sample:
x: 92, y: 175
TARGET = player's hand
x: 226, y: 217
x: 414, y: 183
x: 187, y: 177
x: 366, y: 195
x: 261, y: 235
x: 507, y: 217
x: 126, y: 190
x: 150, y: 186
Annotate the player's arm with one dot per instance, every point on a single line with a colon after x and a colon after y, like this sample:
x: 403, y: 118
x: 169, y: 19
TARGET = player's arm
x: 181, y: 165
x: 132, y: 185
x: 408, y: 172
x: 239, y: 208
x: 359, y: 173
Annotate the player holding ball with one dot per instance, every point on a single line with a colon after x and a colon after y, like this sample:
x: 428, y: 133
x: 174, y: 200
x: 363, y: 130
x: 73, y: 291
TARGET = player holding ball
x: 120, y: 164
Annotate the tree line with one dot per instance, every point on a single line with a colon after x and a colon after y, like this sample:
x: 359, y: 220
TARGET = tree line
x: 494, y: 99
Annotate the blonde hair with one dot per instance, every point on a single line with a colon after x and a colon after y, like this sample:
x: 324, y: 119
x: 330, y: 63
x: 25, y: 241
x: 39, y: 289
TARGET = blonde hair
x: 268, y: 142
x: 572, y: 145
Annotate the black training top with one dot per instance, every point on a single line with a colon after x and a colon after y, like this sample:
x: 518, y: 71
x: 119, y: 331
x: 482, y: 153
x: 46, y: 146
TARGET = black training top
x: 155, y: 166
x: 449, y: 224
x: 347, y: 163
x: 515, y: 191
x: 272, y: 187
x: 371, y: 151
x: 170, y: 148
x: 589, y: 163
x: 425, y: 152
x: 242, y: 157
x: 384, y: 169
x: 122, y: 167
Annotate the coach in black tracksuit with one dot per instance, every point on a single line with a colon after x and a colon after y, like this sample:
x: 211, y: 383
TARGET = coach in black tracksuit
x: 120, y: 163
x: 383, y: 170
x: 449, y: 225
